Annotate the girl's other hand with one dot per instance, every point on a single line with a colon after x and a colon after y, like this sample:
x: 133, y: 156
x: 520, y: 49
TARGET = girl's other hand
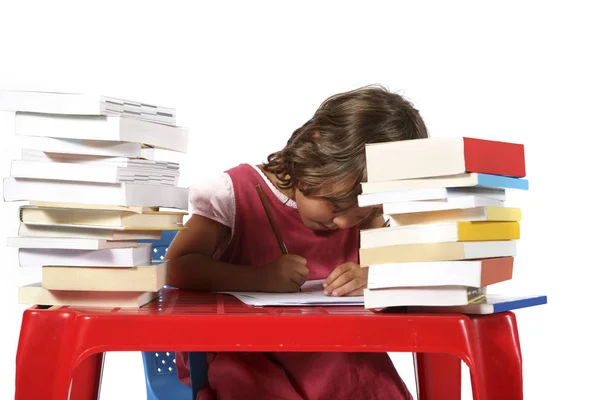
x: 348, y: 279
x: 284, y: 274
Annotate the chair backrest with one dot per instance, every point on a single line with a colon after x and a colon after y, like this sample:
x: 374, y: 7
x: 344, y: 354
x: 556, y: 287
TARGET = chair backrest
x: 161, y: 377
x: 162, y: 382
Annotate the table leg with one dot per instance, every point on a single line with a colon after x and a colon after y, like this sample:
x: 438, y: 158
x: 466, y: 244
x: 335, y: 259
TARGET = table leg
x: 45, y: 356
x: 87, y: 378
x: 502, y: 373
x: 438, y: 376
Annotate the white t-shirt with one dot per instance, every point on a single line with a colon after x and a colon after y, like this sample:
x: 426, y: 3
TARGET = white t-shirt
x: 215, y: 199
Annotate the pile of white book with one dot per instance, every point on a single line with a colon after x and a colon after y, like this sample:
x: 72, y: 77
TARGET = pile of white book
x: 450, y: 235
x: 94, y: 192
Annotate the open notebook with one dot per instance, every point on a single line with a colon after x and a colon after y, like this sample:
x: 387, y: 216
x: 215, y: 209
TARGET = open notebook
x: 311, y: 295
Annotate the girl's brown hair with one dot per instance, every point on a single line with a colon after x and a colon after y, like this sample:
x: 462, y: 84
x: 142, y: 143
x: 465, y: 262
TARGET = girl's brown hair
x: 327, y: 154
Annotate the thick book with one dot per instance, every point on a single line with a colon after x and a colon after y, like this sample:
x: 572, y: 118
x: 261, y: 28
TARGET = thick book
x: 451, y: 203
x: 431, y: 157
x: 462, y: 214
x: 116, y: 128
x: 373, y: 199
x: 102, y: 219
x: 68, y: 243
x: 89, y: 159
x: 34, y: 293
x: 473, y: 273
x: 67, y: 231
x: 423, y: 296
x: 463, y: 231
x: 101, y: 148
x: 493, y: 303
x: 65, y: 171
x: 144, y: 278
x: 442, y: 251
x: 118, y: 194
x: 83, y: 104
x: 114, y: 258
x: 469, y: 179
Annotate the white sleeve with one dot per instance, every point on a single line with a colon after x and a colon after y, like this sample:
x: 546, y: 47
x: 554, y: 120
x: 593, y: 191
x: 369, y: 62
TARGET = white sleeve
x: 214, y: 199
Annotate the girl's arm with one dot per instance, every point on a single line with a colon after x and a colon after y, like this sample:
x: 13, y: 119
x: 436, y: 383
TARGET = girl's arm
x: 191, y: 265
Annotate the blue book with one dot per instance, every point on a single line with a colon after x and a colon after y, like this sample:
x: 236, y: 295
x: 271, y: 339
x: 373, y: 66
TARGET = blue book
x: 497, y: 181
x: 491, y: 304
x: 450, y: 181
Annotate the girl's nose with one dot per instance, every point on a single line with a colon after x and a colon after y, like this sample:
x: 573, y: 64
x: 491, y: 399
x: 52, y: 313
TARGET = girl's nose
x: 343, y: 221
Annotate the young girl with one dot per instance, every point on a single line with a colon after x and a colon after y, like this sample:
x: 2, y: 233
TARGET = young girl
x: 311, y: 187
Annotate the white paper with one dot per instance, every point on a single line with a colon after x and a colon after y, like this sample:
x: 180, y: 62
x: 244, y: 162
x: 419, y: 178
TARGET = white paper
x: 310, y: 295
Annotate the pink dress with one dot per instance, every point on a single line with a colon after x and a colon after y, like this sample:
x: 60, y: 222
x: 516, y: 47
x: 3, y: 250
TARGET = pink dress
x: 289, y: 376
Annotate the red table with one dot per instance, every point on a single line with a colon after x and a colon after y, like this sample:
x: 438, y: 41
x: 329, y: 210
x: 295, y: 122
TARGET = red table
x: 63, y: 343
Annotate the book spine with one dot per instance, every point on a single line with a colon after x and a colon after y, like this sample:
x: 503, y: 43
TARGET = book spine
x: 495, y: 158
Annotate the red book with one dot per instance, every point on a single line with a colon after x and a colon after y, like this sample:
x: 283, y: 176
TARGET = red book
x: 432, y: 157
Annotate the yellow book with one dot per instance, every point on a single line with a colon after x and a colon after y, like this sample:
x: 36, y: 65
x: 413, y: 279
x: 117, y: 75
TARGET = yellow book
x: 106, y: 219
x: 462, y: 231
x: 34, y: 293
x: 489, y: 213
x: 147, y: 278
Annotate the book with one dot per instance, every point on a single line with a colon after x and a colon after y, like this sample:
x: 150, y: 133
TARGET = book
x: 143, y: 278
x: 365, y: 200
x: 493, y: 303
x: 121, y: 194
x: 451, y: 203
x: 107, y: 207
x: 88, y: 159
x: 91, y: 173
x: 102, y: 219
x: 469, y: 179
x: 473, y: 273
x: 462, y: 214
x: 404, y: 159
x: 463, y: 231
x: 61, y: 231
x: 115, y: 128
x: 68, y: 243
x: 423, y: 296
x: 116, y: 257
x: 83, y: 104
x: 101, y: 148
x: 34, y: 293
x: 441, y: 251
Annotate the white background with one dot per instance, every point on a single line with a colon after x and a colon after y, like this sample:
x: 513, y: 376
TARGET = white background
x: 244, y: 75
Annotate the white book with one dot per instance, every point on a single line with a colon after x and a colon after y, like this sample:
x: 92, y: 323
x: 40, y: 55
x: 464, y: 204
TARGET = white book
x: 442, y: 251
x: 423, y: 296
x: 83, y: 104
x: 122, y: 257
x: 102, y: 128
x: 473, y: 273
x: 121, y: 194
x: 373, y: 199
x: 452, y: 203
x: 91, y: 173
x: 87, y: 147
x: 68, y: 243
x: 45, y: 156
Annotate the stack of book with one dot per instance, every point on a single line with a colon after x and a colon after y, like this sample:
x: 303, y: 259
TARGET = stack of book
x: 450, y: 234
x: 95, y: 193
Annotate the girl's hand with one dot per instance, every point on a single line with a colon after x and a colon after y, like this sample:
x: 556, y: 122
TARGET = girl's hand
x: 284, y: 274
x: 348, y: 279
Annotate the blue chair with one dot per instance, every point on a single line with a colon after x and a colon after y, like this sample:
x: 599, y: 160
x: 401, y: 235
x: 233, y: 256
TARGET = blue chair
x: 159, y: 367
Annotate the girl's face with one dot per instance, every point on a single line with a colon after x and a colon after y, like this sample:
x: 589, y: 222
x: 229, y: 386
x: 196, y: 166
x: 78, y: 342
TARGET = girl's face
x: 320, y: 214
